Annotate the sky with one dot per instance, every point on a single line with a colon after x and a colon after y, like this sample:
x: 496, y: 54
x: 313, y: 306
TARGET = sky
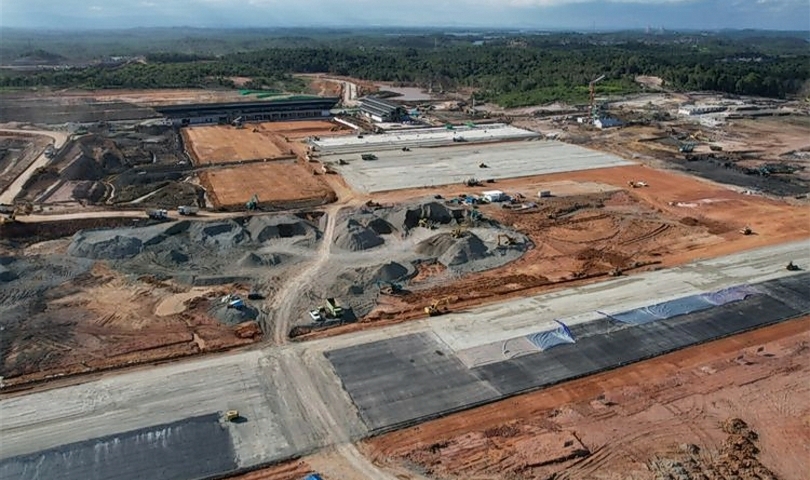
x: 523, y: 14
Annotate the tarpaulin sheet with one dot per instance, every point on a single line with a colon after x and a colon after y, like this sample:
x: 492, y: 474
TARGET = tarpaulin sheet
x: 672, y: 308
x: 551, y: 338
x: 731, y: 294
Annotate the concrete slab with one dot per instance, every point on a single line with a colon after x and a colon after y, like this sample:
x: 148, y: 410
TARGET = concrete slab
x: 152, y: 397
x: 420, y: 137
x: 508, y: 320
x: 394, y: 382
x: 189, y: 449
x: 425, y: 167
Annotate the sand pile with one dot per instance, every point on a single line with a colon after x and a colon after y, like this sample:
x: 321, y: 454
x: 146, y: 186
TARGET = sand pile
x: 263, y: 228
x: 435, y: 246
x: 391, y: 272
x: 232, y: 316
x: 353, y: 236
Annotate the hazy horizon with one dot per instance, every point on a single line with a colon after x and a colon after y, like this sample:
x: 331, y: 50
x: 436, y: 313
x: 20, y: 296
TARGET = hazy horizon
x: 786, y: 15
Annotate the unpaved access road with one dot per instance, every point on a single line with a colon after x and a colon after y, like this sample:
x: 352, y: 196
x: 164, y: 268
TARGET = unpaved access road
x: 59, y: 139
x: 293, y: 401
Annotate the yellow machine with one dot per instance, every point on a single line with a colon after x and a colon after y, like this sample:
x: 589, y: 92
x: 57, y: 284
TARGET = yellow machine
x: 437, y: 308
x: 231, y: 415
x: 458, y: 232
x: 746, y: 231
x: 507, y: 240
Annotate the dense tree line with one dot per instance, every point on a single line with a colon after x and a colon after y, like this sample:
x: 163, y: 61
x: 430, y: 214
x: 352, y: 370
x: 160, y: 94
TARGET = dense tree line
x: 509, y: 71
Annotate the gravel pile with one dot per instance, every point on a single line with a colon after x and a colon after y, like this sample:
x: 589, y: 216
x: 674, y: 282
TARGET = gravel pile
x: 353, y: 236
x: 263, y: 228
x: 467, y: 249
x: 255, y: 260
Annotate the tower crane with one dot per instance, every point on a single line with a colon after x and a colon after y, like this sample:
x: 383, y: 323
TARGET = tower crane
x: 592, y: 96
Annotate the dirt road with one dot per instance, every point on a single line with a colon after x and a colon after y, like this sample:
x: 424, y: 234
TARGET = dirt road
x: 287, y: 301
x: 59, y: 139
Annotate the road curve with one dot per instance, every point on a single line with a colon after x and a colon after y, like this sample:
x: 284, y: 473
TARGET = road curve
x: 13, y: 190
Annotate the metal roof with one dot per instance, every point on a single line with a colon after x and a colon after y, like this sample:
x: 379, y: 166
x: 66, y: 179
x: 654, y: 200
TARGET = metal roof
x: 323, y: 102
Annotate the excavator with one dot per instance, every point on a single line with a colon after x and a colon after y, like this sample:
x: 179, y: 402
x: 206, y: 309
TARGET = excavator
x: 426, y: 223
x: 746, y: 230
x: 437, y: 308
x: 19, y: 209
x: 507, y: 240
x: 458, y: 232
x: 792, y: 267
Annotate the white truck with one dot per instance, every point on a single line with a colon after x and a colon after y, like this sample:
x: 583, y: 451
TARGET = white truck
x: 186, y: 210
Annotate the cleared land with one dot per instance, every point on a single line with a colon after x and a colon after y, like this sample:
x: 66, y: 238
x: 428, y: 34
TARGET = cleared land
x: 429, y: 167
x: 216, y: 144
x: 667, y: 416
x: 226, y: 144
x: 278, y: 184
x: 274, y: 389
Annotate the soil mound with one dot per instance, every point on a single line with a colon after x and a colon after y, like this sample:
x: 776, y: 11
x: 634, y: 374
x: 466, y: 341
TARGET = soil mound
x: 263, y: 228
x: 434, y: 247
x: 409, y: 217
x: 225, y: 234
x: 466, y: 249
x: 253, y: 260
x: 233, y: 316
x: 106, y: 245
x: 380, y: 226
x: 354, y: 237
x: 6, y: 275
x: 175, y: 257
x: 391, y: 272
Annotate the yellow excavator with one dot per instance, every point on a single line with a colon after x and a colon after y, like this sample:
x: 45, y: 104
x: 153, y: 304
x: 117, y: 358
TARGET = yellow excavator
x: 438, y: 307
x: 458, y: 232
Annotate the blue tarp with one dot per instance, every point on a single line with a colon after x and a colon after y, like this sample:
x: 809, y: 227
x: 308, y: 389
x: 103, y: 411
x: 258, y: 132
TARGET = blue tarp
x: 731, y: 294
x: 551, y: 338
x: 672, y: 308
x: 682, y: 306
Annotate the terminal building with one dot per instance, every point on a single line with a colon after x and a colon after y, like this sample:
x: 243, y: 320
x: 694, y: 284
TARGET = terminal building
x: 380, y: 110
x: 223, y: 113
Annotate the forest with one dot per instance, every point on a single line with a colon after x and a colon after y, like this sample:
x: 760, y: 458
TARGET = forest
x: 511, y: 70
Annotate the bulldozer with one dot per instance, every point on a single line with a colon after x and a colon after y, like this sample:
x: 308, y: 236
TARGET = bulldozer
x: 426, y: 223
x: 437, y: 307
x: 792, y: 267
x: 472, y: 182
x: 746, y: 230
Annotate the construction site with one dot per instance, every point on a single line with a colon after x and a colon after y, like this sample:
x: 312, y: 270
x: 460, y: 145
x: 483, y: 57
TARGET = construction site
x: 522, y: 296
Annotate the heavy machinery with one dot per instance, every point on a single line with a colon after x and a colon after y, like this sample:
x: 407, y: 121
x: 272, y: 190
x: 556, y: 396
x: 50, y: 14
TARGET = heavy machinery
x: 504, y: 239
x: 237, y: 123
x: 426, y: 223
x: 372, y: 204
x: 792, y: 267
x: 13, y: 211
x: 634, y: 184
x: 389, y: 288
x: 458, y: 232
x: 158, y: 214
x: 231, y: 416
x: 368, y: 156
x: 483, y: 165
x: 187, y: 210
x: 592, y: 97
x: 253, y: 203
x: 746, y: 230
x: 437, y: 307
x: 333, y: 309
x: 342, y: 162
x: 472, y: 182
x: 686, y: 148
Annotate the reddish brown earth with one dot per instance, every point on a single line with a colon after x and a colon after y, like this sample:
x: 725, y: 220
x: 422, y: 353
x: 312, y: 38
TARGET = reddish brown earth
x: 581, y: 238
x: 674, y: 416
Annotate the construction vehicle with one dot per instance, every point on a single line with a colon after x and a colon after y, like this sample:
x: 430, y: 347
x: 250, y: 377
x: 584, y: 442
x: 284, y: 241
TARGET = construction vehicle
x: 615, y: 272
x: 333, y: 309
x: 187, y: 211
x: 389, y: 288
x: 406, y: 149
x: 746, y: 230
x: 472, y: 182
x: 483, y: 165
x: 368, y: 156
x: 507, y: 240
x: 458, y: 232
x: 237, y: 122
x: 634, y: 184
x: 159, y: 214
x: 686, y: 147
x: 426, y: 223
x: 231, y: 416
x: 373, y: 204
x: 592, y: 97
x: 437, y: 307
x: 342, y: 162
x: 233, y: 301
x: 253, y: 203
x: 792, y: 267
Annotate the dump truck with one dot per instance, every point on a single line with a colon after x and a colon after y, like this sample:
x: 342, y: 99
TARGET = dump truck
x: 368, y: 156
x: 333, y: 309
x: 187, y: 210
x: 157, y: 214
